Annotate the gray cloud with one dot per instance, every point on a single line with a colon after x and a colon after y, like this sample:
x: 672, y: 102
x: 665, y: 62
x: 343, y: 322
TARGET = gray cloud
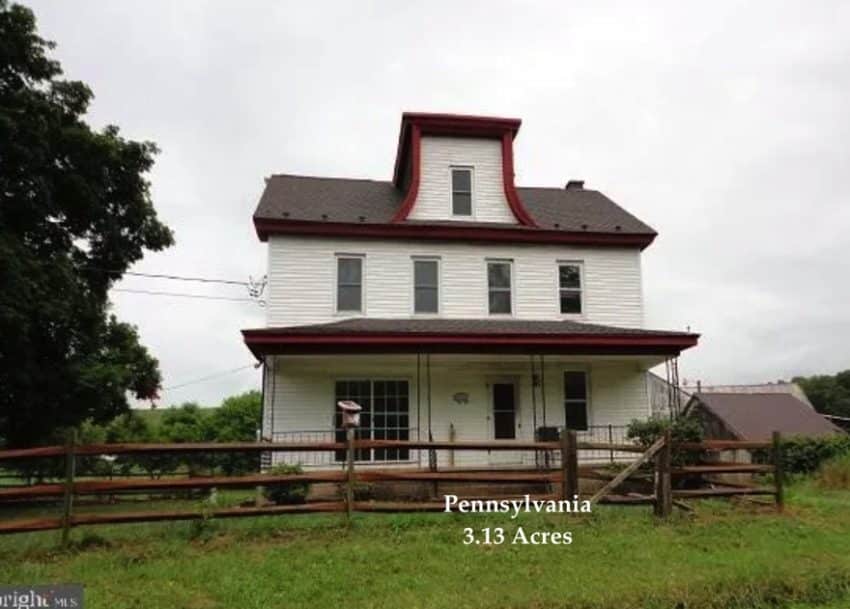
x: 724, y: 125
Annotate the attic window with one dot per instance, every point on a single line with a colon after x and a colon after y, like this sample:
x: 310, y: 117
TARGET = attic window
x: 461, y: 191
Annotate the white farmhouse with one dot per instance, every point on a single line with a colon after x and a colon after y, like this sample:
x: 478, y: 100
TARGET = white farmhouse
x: 450, y: 303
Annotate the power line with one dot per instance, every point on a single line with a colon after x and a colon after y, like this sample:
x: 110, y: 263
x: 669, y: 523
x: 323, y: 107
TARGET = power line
x: 209, y: 377
x: 183, y: 278
x: 172, y: 277
x: 185, y: 295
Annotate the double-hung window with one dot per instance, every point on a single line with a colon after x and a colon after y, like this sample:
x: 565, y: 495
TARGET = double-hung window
x: 426, y: 285
x: 575, y: 400
x: 569, y: 288
x: 499, y: 287
x: 461, y: 191
x: 349, y: 284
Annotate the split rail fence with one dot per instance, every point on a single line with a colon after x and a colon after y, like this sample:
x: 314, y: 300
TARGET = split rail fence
x: 654, y: 465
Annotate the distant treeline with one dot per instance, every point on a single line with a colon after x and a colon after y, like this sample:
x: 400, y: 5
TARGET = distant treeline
x: 236, y: 420
x: 829, y: 394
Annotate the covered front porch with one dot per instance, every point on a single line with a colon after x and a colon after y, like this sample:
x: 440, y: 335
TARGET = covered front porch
x: 461, y: 387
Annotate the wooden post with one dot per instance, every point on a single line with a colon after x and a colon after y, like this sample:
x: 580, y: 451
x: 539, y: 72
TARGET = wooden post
x: 569, y: 464
x: 611, y: 439
x: 68, y: 498
x: 663, y: 486
x: 349, y: 468
x: 778, y: 471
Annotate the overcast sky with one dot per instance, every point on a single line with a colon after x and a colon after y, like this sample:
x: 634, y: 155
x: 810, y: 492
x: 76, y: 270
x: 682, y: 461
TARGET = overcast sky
x: 724, y: 125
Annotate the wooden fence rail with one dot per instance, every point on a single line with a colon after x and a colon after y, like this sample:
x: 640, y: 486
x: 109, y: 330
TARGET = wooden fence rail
x: 566, y: 476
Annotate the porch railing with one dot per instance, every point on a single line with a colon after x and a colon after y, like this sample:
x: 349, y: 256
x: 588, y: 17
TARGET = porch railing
x: 325, y: 458
x: 599, y: 434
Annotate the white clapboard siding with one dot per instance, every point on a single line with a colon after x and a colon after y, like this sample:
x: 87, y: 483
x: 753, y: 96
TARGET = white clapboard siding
x: 302, y: 271
x: 439, y: 154
x: 301, y: 397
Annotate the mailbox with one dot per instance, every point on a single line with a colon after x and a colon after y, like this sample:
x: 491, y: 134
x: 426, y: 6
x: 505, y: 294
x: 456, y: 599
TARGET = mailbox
x: 350, y: 413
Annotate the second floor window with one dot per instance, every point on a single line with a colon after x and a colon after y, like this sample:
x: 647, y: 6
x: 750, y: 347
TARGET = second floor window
x: 349, y: 284
x: 461, y: 191
x: 426, y: 286
x: 499, y: 287
x: 569, y: 287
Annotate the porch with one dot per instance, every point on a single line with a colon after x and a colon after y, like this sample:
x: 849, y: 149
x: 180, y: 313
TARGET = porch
x: 453, y: 397
x: 456, y: 380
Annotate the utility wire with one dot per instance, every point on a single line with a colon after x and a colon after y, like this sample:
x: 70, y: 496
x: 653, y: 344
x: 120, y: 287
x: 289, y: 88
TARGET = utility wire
x: 173, y: 277
x: 185, y: 295
x: 209, y: 377
x: 182, y: 278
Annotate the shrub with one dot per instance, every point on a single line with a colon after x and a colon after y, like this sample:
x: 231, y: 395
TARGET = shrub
x: 835, y: 473
x: 682, y: 429
x: 805, y: 455
x: 290, y: 492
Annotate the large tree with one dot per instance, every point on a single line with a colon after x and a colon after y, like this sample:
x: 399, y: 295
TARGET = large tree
x: 75, y: 213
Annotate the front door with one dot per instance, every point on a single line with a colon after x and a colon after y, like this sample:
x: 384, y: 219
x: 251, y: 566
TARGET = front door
x: 504, y: 411
x: 503, y: 397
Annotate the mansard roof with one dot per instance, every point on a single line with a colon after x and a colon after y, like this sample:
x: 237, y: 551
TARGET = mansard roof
x: 316, y: 205
x: 293, y: 204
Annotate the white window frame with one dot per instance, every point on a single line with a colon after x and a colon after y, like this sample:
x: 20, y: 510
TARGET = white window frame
x: 510, y: 263
x: 346, y: 256
x: 582, y: 289
x: 588, y: 396
x: 471, y: 170
x: 426, y: 258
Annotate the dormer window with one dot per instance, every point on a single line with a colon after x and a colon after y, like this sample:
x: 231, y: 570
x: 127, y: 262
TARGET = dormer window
x: 461, y: 191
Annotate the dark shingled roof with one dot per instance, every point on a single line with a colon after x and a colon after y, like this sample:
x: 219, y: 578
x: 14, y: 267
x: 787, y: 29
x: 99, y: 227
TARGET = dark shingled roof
x: 755, y: 416
x: 365, y: 325
x: 288, y: 197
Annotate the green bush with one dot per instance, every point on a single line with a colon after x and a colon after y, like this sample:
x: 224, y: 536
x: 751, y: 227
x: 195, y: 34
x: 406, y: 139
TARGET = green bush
x: 290, y: 492
x: 835, y: 473
x: 646, y: 432
x: 805, y: 455
x: 682, y: 429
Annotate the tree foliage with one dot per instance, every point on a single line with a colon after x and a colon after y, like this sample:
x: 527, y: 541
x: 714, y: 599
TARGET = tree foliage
x: 237, y: 420
x: 75, y: 213
x: 828, y: 394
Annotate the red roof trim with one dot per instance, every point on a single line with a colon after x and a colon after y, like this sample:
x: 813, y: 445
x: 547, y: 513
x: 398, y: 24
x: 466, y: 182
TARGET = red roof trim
x: 518, y: 209
x: 266, y: 227
x: 413, y: 190
x: 263, y: 341
x: 415, y: 124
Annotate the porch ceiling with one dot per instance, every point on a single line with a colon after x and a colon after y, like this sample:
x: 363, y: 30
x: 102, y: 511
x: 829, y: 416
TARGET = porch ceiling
x: 367, y: 335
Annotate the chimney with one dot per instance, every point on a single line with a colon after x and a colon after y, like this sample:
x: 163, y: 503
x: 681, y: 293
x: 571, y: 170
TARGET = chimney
x: 574, y: 185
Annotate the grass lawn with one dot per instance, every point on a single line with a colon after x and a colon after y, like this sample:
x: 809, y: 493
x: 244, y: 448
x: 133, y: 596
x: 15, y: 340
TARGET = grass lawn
x: 722, y: 556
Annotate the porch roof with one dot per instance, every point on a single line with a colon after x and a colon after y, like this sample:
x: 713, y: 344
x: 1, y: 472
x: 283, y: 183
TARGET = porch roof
x: 369, y: 335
